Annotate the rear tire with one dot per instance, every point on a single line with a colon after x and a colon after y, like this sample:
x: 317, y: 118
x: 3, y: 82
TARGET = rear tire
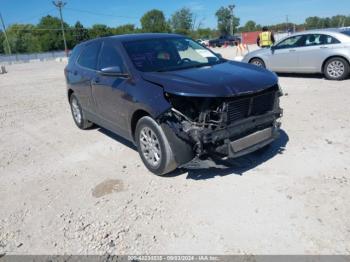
x: 336, y: 69
x: 257, y: 62
x: 153, y: 147
x: 78, y: 114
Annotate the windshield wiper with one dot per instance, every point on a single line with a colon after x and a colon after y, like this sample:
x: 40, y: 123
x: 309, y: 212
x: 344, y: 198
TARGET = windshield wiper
x: 189, y: 67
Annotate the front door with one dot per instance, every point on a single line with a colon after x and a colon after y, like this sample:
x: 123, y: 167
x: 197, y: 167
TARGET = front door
x: 109, y: 91
x: 284, y: 56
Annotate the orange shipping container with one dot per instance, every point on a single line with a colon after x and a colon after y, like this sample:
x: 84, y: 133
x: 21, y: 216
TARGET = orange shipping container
x: 250, y: 38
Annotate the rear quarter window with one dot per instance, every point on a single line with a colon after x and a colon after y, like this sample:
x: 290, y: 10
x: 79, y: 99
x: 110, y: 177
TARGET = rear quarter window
x: 74, y: 55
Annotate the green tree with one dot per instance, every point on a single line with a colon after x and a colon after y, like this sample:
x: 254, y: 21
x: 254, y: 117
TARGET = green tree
x: 22, y: 39
x: 154, y: 22
x: 313, y: 22
x: 50, y: 34
x: 99, y: 30
x: 182, y: 21
x: 205, y: 33
x: 250, y: 26
x: 124, y: 29
x: 225, y: 18
x: 2, y: 42
x: 80, y: 33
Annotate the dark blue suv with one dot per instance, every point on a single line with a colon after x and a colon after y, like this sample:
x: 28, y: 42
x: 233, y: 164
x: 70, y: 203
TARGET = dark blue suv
x: 175, y: 99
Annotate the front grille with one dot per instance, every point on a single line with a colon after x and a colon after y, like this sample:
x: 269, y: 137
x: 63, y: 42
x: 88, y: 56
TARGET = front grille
x: 253, y: 105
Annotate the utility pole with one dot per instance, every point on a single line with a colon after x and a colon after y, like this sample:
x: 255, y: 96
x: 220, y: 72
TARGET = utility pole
x: 60, y: 4
x: 287, y: 22
x: 6, y: 38
x: 231, y: 7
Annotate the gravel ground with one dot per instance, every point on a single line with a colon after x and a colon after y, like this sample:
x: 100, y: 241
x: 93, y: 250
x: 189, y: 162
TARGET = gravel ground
x: 67, y: 191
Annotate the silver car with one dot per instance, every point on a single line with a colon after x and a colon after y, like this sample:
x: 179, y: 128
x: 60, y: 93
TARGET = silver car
x: 322, y: 51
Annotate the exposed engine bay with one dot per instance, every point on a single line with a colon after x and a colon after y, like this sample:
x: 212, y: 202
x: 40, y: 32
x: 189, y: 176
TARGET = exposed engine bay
x: 209, y: 123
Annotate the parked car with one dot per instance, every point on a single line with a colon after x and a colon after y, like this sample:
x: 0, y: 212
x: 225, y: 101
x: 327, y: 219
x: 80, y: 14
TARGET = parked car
x: 321, y: 51
x: 203, y: 42
x: 172, y: 97
x: 222, y: 40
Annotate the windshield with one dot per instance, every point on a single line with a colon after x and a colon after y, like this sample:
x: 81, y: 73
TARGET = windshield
x: 168, y: 54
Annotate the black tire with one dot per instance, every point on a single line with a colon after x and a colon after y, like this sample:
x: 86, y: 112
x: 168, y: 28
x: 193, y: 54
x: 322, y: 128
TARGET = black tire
x: 336, y: 68
x: 166, y: 162
x: 81, y: 122
x: 257, y: 62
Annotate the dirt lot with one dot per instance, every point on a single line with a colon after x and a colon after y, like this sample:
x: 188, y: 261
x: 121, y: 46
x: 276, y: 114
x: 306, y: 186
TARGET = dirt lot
x: 67, y: 191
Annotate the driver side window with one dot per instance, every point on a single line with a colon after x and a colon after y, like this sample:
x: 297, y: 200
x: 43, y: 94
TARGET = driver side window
x: 110, y: 57
x: 291, y: 42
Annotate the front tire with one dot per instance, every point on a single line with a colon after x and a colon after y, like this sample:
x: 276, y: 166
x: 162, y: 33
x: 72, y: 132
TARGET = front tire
x: 257, y: 62
x: 336, y: 69
x: 153, y: 147
x: 77, y: 113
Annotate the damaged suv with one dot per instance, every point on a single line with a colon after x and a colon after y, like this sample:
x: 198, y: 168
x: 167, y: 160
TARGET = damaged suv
x: 175, y: 99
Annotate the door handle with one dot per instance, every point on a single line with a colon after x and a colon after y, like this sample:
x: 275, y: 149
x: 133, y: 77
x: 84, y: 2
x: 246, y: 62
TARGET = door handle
x: 292, y: 50
x: 323, y: 47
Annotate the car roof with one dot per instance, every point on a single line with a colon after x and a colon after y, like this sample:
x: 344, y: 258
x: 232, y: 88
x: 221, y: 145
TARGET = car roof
x: 335, y: 32
x: 135, y: 37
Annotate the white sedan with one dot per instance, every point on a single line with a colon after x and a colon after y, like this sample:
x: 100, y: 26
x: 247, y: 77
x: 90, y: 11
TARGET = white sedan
x: 322, y: 51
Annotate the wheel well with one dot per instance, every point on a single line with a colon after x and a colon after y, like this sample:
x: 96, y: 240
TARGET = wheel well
x: 135, y: 118
x: 331, y: 57
x: 70, y: 92
x: 256, y: 58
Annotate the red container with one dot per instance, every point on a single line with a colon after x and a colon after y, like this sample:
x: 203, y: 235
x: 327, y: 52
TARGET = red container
x: 250, y: 38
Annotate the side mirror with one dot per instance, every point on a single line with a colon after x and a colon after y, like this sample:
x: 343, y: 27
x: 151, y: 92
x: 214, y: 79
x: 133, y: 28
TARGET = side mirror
x: 113, y: 71
x: 273, y: 48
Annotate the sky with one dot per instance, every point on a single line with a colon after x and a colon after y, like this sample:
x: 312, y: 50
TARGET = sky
x: 117, y: 12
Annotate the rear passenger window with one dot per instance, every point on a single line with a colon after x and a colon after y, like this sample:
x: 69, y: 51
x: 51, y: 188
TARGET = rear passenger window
x: 110, y: 57
x: 89, y: 56
x: 328, y: 40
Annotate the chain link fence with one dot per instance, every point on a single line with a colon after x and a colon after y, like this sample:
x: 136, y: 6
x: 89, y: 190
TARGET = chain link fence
x: 34, y: 57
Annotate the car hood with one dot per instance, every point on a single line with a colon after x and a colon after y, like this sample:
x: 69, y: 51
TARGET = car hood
x: 221, y: 80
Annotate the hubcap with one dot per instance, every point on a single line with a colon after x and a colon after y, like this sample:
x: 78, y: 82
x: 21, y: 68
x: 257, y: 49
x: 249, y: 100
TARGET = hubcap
x: 76, y: 111
x: 257, y: 63
x: 150, y: 147
x: 336, y: 69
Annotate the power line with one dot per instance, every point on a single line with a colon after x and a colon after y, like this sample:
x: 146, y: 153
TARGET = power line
x: 35, y: 16
x: 7, y: 40
x: 60, y: 4
x: 101, y: 14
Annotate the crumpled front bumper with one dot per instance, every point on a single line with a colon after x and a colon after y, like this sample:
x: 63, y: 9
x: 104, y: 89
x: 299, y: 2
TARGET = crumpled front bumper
x: 244, y: 137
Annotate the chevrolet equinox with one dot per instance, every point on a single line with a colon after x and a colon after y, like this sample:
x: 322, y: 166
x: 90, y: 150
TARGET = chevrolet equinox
x: 172, y: 97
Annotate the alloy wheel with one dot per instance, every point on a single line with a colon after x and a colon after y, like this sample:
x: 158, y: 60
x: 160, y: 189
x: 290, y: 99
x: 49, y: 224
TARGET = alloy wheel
x: 336, y: 69
x: 150, y: 146
x: 76, y: 111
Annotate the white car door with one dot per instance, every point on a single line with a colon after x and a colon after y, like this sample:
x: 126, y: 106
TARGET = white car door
x: 284, y: 56
x: 315, y: 51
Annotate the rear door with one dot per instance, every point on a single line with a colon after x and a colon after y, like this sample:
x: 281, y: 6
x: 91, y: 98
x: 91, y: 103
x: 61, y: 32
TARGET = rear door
x: 284, y: 56
x: 316, y: 49
x: 109, y: 91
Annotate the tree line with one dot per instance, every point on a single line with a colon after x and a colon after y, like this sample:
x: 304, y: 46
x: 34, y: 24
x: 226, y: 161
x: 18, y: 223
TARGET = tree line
x: 47, y: 36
